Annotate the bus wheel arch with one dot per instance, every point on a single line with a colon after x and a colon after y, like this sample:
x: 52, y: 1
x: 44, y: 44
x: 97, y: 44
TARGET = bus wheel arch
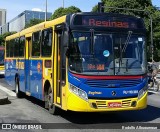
x: 46, y: 88
x: 48, y: 97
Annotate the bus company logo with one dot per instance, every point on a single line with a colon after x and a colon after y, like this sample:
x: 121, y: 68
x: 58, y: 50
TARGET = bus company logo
x: 20, y: 65
x: 95, y: 92
x: 114, y: 93
x: 38, y: 66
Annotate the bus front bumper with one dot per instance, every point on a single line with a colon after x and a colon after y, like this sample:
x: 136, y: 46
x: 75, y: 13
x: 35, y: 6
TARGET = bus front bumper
x: 75, y: 103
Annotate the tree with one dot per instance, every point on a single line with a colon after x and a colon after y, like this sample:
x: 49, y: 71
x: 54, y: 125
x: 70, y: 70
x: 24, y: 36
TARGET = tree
x: 3, y: 37
x: 95, y: 8
x: 33, y: 22
x: 63, y: 11
x: 141, y: 5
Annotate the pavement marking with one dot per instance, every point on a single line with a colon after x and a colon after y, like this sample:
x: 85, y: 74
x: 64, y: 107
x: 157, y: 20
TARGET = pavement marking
x: 9, y: 92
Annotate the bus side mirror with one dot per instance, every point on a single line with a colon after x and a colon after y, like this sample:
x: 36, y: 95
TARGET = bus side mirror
x: 65, y: 39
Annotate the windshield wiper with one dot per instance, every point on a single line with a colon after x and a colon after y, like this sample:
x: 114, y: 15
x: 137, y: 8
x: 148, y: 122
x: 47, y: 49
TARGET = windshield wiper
x: 122, y: 51
x: 127, y: 65
x: 127, y: 41
x: 92, y: 42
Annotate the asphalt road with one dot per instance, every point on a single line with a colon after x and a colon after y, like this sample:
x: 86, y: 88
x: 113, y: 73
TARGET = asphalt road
x: 31, y: 110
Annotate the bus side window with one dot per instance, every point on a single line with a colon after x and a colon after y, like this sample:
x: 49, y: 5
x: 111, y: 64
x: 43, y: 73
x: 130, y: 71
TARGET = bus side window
x: 21, y: 46
x: 16, y: 47
x: 36, y: 37
x: 7, y: 48
x: 47, y: 42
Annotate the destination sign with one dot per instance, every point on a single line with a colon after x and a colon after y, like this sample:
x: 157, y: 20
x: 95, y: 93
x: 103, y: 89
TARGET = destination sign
x: 108, y: 21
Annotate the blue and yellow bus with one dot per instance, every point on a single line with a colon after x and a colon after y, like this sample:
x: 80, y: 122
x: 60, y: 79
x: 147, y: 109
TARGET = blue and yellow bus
x: 89, y: 62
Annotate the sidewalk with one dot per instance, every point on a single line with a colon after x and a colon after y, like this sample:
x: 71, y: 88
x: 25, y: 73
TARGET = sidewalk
x: 3, y: 98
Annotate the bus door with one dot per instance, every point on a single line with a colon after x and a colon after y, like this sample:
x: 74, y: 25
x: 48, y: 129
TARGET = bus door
x: 20, y: 62
x: 60, y: 63
x: 27, y: 65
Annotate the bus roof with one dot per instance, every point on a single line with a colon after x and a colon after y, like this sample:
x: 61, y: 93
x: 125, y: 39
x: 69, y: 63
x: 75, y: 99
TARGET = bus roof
x: 60, y: 20
x: 12, y: 36
x: 37, y: 27
x: 43, y: 25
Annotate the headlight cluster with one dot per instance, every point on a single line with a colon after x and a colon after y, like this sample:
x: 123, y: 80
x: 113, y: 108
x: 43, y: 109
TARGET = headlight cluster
x: 78, y: 92
x: 142, y: 92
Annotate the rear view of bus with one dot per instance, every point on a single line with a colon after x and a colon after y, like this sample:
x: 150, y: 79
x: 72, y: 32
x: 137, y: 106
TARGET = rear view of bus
x: 2, y: 71
x: 107, y: 63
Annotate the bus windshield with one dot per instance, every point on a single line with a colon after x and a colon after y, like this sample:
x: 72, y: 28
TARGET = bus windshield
x: 1, y: 57
x: 97, y: 53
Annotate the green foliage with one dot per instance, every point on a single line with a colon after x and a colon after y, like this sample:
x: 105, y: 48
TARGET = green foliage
x: 1, y: 40
x: 63, y: 11
x: 33, y: 22
x: 95, y: 8
x: 3, y: 37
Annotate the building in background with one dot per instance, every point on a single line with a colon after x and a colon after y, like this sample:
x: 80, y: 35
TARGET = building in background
x: 2, y: 16
x: 2, y: 19
x: 18, y: 23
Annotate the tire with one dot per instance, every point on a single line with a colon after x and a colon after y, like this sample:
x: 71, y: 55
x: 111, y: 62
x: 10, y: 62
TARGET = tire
x: 18, y: 92
x: 49, y: 103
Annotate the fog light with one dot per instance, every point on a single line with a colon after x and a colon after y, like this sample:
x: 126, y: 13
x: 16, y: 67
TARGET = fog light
x: 94, y: 105
x: 134, y: 103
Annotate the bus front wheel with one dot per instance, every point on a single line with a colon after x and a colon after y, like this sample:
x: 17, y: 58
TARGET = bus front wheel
x: 51, y: 107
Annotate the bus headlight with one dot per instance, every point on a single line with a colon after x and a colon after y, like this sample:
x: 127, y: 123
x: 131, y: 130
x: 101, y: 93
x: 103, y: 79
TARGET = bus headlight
x: 79, y: 92
x: 142, y: 92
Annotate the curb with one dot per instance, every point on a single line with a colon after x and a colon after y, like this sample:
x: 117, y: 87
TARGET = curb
x: 3, y: 100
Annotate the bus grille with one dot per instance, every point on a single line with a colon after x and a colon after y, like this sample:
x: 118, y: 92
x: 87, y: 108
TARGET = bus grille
x: 126, y: 103
x: 113, y: 83
x: 101, y: 104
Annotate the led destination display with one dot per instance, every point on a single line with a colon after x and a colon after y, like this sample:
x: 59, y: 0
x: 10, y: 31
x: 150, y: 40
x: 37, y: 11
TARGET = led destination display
x: 108, y: 21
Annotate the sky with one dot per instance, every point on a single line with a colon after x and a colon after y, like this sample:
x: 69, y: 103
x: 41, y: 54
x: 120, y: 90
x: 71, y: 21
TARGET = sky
x: 15, y: 7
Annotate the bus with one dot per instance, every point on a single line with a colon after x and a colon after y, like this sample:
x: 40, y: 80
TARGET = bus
x: 2, y: 61
x: 84, y: 62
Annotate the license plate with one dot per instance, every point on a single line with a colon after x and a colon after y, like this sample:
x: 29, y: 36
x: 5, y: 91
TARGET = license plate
x: 114, y: 104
